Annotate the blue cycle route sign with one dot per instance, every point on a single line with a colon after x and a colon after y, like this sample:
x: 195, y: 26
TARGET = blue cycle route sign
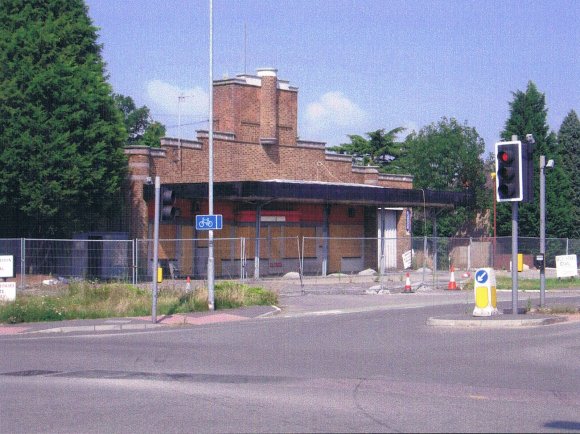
x: 211, y: 222
x: 481, y: 276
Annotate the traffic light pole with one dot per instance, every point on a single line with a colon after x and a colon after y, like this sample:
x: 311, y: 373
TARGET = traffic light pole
x: 515, y: 210
x: 155, y: 250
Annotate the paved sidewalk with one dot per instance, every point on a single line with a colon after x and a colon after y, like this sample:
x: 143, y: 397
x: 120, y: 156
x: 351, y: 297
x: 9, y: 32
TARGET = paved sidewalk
x: 138, y: 323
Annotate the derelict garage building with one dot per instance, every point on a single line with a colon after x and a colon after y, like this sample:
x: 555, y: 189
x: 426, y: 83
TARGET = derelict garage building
x: 272, y: 187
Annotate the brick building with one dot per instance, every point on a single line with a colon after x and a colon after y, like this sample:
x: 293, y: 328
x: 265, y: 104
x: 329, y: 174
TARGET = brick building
x: 270, y: 187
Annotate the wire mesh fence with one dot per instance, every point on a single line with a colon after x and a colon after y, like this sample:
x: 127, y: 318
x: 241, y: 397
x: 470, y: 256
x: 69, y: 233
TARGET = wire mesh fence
x: 382, y: 261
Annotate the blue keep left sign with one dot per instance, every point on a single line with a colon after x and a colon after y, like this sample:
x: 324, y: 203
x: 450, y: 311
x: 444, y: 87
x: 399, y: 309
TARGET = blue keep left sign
x: 481, y: 276
x: 211, y: 222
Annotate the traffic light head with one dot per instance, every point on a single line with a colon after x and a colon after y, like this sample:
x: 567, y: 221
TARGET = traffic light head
x: 508, y: 167
x: 168, y: 209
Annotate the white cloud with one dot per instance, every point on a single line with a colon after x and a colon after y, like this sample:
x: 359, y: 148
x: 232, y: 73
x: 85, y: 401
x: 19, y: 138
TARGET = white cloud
x: 333, y: 116
x: 410, y: 127
x: 164, y: 97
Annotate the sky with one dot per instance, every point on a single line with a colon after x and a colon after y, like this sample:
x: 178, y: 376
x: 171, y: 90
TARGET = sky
x: 359, y: 65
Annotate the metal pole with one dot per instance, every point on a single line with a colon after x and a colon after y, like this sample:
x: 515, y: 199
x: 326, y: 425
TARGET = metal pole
x: 424, y: 237
x: 22, y: 262
x: 155, y: 250
x: 382, y: 245
x: 543, y: 228
x: 179, y: 99
x: 515, y: 258
x: 134, y: 261
x: 325, y: 237
x: 210, y: 261
x: 493, y: 175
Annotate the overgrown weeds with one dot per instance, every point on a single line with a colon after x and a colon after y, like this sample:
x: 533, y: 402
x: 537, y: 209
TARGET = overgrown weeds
x: 86, y: 300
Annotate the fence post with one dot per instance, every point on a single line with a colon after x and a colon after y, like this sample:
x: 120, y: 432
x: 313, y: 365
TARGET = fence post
x: 325, y: 239
x: 301, y: 253
x: 424, y: 257
x: 567, y: 241
x: 469, y: 253
x: 22, y: 262
x: 243, y: 258
x: 257, y: 253
x: 134, y: 261
x: 382, y: 245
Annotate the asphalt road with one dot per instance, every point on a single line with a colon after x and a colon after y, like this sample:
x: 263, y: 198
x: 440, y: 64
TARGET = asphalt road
x: 370, y: 371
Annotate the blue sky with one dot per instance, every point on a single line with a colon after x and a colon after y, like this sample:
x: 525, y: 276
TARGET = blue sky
x: 359, y: 65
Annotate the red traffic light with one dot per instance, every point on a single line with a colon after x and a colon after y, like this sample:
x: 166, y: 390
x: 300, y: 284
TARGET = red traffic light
x: 509, y: 171
x: 505, y: 156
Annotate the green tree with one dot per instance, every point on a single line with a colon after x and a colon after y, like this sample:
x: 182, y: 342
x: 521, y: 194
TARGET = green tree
x: 61, y: 136
x: 380, y: 149
x: 528, y: 115
x: 141, y: 130
x: 447, y: 156
x: 569, y: 150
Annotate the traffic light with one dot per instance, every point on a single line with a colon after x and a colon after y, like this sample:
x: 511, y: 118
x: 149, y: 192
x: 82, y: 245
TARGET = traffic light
x: 167, y: 208
x: 508, y: 167
x: 528, y: 170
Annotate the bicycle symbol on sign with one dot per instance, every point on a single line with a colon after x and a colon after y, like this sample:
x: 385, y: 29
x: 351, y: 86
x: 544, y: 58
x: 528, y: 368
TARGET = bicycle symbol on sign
x: 206, y: 222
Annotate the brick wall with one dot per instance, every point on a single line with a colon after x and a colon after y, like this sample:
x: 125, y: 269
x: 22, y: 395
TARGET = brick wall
x: 247, y: 109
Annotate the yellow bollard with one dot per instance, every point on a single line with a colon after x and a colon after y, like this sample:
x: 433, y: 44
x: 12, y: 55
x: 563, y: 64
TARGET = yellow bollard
x: 159, y: 274
x: 520, y: 262
x: 485, y: 292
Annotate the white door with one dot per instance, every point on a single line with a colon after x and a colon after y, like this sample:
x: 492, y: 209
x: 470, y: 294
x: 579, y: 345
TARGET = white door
x: 387, y: 228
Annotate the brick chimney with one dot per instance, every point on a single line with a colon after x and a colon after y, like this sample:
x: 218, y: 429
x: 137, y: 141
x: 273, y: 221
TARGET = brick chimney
x: 268, y: 106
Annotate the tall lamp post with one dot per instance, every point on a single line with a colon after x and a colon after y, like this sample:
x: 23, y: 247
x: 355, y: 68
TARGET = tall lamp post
x: 210, y: 258
x: 493, y: 174
x: 543, y: 165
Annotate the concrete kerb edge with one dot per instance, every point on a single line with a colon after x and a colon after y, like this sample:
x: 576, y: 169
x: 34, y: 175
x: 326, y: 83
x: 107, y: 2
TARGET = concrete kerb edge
x: 491, y: 324
x: 96, y: 328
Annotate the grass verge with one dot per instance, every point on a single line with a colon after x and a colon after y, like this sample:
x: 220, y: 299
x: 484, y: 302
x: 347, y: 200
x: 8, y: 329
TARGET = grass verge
x: 86, y: 300
x: 505, y: 282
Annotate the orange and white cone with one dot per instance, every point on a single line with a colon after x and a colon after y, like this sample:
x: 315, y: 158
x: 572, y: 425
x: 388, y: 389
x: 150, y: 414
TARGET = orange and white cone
x: 452, y: 284
x: 408, y: 285
x: 188, y: 284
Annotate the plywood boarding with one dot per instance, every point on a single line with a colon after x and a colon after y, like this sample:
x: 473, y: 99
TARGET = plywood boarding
x: 345, y: 242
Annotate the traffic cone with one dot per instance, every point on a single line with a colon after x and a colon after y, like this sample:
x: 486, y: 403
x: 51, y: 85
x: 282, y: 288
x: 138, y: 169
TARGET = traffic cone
x: 452, y: 284
x: 408, y: 288
x: 188, y: 284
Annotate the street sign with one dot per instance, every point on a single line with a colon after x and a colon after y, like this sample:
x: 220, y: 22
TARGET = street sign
x: 566, y: 266
x: 208, y: 222
x: 6, y: 266
x: 7, y: 291
x: 481, y: 276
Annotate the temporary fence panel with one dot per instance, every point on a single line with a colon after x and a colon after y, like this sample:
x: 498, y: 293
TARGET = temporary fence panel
x: 50, y: 260
x: 59, y: 260
x: 234, y: 258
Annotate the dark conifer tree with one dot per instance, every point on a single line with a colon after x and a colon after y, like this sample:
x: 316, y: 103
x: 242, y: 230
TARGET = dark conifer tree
x: 569, y: 149
x: 61, y: 135
x: 528, y: 115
